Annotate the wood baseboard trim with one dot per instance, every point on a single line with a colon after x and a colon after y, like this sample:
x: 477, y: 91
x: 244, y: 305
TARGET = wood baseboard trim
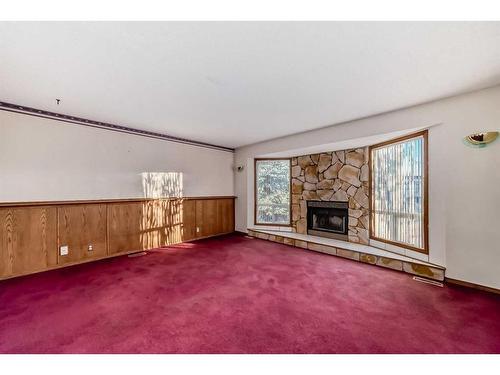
x: 199, y: 238
x: 125, y: 253
x: 59, y: 266
x: 472, y: 285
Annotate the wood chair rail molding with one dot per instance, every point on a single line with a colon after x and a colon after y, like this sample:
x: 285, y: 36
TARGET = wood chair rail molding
x: 32, y: 233
x: 112, y: 200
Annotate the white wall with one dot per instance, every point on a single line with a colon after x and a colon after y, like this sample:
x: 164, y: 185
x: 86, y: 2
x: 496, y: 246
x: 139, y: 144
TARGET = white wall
x: 464, y: 190
x: 43, y: 159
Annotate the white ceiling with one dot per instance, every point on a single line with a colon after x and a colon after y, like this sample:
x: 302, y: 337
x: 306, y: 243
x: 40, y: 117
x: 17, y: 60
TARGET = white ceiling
x: 236, y: 83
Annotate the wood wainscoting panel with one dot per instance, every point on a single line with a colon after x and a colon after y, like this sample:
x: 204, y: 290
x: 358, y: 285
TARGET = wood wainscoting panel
x: 172, y: 226
x: 31, y: 233
x: 225, y: 215
x: 152, y: 221
x: 206, y: 217
x: 126, y: 226
x: 79, y: 227
x: 188, y: 220
x: 144, y: 225
x: 230, y: 216
x: 28, y: 241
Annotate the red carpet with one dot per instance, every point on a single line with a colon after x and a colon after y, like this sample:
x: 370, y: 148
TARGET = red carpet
x: 239, y: 295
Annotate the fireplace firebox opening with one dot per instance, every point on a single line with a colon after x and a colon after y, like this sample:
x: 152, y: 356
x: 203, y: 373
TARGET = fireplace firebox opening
x: 328, y: 219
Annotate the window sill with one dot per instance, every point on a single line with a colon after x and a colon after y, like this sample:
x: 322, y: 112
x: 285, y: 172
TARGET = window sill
x: 399, y: 250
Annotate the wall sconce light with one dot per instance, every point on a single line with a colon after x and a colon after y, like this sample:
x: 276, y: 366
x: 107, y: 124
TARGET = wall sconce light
x: 481, y: 139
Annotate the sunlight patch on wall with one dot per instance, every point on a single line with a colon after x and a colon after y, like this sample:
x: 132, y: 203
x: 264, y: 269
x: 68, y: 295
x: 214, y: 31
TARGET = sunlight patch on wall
x: 162, y: 184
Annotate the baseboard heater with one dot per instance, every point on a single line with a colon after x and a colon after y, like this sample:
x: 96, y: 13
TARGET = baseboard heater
x: 427, y: 281
x: 140, y: 254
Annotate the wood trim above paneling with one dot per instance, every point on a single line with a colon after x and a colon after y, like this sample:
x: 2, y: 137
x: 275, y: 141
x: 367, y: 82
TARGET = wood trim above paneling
x: 117, y: 200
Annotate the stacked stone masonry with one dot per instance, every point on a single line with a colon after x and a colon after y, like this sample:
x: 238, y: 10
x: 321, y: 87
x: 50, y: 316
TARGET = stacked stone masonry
x: 333, y: 176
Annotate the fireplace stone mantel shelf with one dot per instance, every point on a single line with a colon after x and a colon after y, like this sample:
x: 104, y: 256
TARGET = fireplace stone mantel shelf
x: 353, y: 251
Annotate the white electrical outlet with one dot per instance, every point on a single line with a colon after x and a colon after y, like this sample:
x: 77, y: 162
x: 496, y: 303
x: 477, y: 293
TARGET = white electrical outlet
x: 197, y: 229
x: 90, y: 248
x: 64, y: 250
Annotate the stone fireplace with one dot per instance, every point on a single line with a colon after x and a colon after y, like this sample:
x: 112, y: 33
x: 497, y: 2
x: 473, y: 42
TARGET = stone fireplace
x: 333, y: 177
x: 328, y: 219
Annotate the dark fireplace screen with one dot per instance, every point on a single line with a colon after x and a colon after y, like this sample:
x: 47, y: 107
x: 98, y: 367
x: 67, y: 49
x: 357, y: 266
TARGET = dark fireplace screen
x: 328, y: 219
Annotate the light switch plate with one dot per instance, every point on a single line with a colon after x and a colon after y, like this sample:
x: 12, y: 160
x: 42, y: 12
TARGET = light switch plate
x: 64, y: 250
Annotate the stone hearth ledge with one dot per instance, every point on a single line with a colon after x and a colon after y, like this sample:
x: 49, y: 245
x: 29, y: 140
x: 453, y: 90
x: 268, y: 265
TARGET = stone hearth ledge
x: 354, y: 251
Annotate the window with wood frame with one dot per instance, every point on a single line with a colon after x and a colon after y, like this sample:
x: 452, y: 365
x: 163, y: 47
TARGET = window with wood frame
x: 398, y: 196
x: 272, y: 191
